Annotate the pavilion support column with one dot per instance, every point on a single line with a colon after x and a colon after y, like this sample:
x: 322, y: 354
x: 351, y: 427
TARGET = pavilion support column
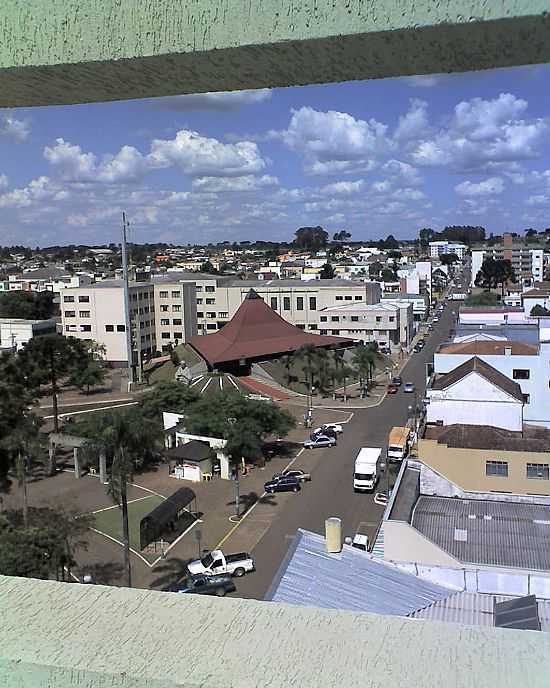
x: 103, y: 467
x: 224, y: 465
x: 77, y: 467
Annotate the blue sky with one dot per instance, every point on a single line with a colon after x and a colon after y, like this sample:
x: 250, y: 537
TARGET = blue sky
x: 374, y: 157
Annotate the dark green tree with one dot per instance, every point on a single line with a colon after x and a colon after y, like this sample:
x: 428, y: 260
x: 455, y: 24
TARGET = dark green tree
x: 167, y: 396
x: 50, y: 359
x: 92, y: 375
x: 342, y: 235
x: 208, y: 268
x: 311, y: 238
x: 448, y: 258
x: 327, y: 272
x: 426, y: 235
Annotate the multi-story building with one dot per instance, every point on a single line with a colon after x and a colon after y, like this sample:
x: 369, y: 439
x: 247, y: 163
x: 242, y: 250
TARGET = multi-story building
x: 390, y: 323
x: 97, y: 312
x: 527, y: 261
x: 16, y: 332
x: 439, y: 248
x: 47, y: 279
x: 175, y: 311
x: 298, y: 302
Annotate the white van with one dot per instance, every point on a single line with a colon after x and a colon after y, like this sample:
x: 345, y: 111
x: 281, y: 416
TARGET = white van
x: 365, y: 474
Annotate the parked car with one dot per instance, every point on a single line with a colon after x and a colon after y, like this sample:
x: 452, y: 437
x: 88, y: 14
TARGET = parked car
x: 328, y: 432
x: 297, y: 473
x: 336, y: 427
x: 217, y: 562
x: 392, y: 389
x: 419, y: 346
x: 320, y: 441
x: 409, y: 387
x: 436, y: 319
x: 430, y: 328
x: 206, y: 585
x: 397, y: 381
x: 286, y: 484
x: 381, y: 499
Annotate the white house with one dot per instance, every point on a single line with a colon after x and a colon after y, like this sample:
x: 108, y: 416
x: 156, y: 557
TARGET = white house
x: 475, y: 393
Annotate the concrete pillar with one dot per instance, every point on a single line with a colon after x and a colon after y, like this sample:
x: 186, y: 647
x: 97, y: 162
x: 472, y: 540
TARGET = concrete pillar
x: 77, y: 470
x: 103, y: 467
x: 224, y: 465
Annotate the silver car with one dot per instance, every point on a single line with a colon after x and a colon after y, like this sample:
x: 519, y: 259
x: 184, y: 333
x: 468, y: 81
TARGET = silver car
x: 320, y: 441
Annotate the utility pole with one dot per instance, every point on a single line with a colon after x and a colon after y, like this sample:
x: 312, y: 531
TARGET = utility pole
x: 127, y: 313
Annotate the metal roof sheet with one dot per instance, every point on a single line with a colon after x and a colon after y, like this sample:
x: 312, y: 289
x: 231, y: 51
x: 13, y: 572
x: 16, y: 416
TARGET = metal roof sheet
x: 351, y: 579
x: 474, y: 609
x: 487, y: 532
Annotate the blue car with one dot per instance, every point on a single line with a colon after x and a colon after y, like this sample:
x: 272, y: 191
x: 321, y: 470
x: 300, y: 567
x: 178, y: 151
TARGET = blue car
x: 283, y: 484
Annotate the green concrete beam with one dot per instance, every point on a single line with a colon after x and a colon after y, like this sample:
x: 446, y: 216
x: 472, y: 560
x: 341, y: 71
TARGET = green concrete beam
x: 74, y: 51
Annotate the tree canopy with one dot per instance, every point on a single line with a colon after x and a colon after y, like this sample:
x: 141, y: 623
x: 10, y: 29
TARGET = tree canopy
x: 311, y: 238
x: 448, y: 258
x: 327, y: 272
x: 342, y: 235
x: 494, y: 272
x: 28, y: 305
x: 168, y: 396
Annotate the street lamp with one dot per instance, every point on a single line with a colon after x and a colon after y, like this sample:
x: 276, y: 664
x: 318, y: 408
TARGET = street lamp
x: 232, y: 422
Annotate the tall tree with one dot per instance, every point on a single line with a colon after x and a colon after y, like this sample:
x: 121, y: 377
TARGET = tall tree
x: 342, y: 235
x: 127, y: 437
x: 50, y: 359
x: 167, y: 396
x: 311, y: 238
x: 426, y: 235
x: 364, y: 361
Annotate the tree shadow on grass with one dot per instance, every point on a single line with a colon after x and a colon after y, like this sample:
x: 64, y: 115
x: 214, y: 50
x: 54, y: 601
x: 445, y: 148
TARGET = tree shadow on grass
x: 170, y: 571
x: 104, y: 573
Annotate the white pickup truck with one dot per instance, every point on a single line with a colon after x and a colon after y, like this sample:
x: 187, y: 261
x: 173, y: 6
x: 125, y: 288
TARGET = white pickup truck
x: 217, y: 562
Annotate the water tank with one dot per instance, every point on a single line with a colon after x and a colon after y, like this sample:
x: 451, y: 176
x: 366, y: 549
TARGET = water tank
x: 333, y: 535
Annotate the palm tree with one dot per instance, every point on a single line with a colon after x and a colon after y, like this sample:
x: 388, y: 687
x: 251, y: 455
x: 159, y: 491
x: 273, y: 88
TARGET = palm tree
x: 126, y: 436
x: 364, y: 361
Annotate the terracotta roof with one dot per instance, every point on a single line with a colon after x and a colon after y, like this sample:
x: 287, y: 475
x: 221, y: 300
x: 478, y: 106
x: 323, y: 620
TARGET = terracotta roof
x: 256, y: 331
x: 533, y: 438
x: 486, y: 371
x: 536, y: 293
x: 489, y: 348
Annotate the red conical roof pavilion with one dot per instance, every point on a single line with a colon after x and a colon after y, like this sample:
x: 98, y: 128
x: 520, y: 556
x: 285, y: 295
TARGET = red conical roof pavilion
x: 257, y: 332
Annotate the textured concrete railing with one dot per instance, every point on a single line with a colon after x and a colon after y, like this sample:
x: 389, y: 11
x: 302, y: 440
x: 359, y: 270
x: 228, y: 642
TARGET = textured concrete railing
x: 69, y: 51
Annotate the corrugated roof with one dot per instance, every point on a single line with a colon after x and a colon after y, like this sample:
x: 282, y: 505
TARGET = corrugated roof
x: 532, y: 439
x: 351, y: 579
x: 477, y: 365
x: 256, y: 331
x: 473, y: 609
x: 487, y: 532
x: 490, y: 348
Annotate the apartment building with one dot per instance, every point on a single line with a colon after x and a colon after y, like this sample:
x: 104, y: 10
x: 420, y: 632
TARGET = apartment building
x: 439, y: 248
x: 96, y: 312
x: 527, y: 261
x: 46, y: 279
x: 389, y: 324
x: 175, y: 311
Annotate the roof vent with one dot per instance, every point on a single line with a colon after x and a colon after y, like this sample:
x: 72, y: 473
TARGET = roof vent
x: 472, y: 517
x: 461, y: 535
x: 507, y: 350
x: 333, y: 535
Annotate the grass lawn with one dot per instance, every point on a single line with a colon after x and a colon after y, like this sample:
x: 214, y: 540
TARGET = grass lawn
x: 110, y: 521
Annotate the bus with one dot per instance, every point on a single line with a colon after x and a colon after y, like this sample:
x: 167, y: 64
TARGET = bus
x: 398, y: 443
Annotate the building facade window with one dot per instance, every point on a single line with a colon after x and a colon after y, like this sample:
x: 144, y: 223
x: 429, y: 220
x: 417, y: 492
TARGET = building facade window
x: 121, y: 328
x: 85, y: 328
x: 538, y: 471
x: 323, y: 318
x: 164, y: 321
x: 358, y: 298
x: 334, y: 318
x: 163, y: 294
x: 274, y: 304
x: 210, y: 302
x: 109, y: 328
x: 176, y: 322
x: 176, y: 294
x: 339, y: 298
x: 84, y: 314
x: 209, y: 289
x: 313, y: 327
x: 286, y: 303
x: 176, y: 308
x: 299, y: 303
x: 83, y: 299
x: 526, y: 398
x: 165, y: 335
x: 211, y: 327
x: 164, y: 309
x: 68, y: 299
x: 335, y: 332
x: 499, y: 468
x: 312, y: 303
x: 200, y: 314
x: 354, y: 318
x: 210, y: 314
x: 70, y: 314
x: 378, y: 318
x: 520, y: 373
x: 223, y: 314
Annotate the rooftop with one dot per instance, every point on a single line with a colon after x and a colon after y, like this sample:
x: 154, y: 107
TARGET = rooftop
x: 173, y: 640
x: 114, y: 284
x: 519, y: 332
x: 362, y: 307
x: 478, y: 366
x: 490, y: 348
x: 188, y: 276
x: 532, y: 439
x: 310, y: 576
x: 493, y: 533
x: 298, y: 284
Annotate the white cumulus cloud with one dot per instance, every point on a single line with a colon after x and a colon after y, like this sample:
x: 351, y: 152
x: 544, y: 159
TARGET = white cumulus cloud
x: 344, y: 188
x: 3, y: 181
x: 414, y: 123
x: 222, y: 101
x: 17, y: 130
x: 488, y: 187
x: 245, y: 183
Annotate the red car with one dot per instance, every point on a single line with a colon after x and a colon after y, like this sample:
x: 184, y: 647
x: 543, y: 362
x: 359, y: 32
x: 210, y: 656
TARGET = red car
x: 392, y: 389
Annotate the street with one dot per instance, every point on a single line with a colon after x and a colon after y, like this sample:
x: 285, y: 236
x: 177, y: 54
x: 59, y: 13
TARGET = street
x: 331, y: 492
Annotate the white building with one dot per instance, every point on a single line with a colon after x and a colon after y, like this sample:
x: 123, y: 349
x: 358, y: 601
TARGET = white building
x: 526, y: 364
x: 390, y: 324
x: 97, y: 313
x: 527, y: 262
x: 475, y: 393
x: 439, y: 248
x: 16, y: 332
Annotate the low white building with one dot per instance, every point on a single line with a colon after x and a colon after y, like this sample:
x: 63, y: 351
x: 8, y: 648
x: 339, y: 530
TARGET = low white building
x: 16, y: 332
x: 475, y: 393
x: 390, y: 324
